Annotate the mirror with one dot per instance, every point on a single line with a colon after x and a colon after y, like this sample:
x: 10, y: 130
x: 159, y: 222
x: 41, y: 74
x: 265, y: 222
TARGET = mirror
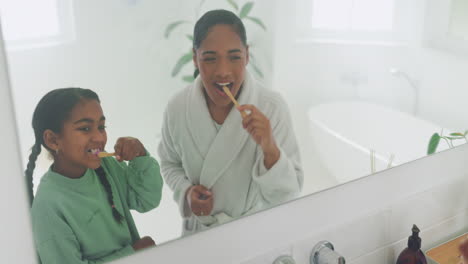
x: 365, y: 93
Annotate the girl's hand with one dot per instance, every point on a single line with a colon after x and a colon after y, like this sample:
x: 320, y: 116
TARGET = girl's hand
x: 143, y: 243
x: 258, y: 126
x: 200, y: 200
x: 128, y: 148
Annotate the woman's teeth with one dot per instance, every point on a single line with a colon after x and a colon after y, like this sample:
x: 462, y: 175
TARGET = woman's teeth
x: 221, y: 85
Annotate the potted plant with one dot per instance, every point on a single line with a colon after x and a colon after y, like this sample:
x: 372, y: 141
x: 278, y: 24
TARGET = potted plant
x: 436, y: 137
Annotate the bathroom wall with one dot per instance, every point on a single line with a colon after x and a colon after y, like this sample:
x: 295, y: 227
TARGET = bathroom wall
x: 314, y: 71
x: 367, y: 220
x: 16, y: 244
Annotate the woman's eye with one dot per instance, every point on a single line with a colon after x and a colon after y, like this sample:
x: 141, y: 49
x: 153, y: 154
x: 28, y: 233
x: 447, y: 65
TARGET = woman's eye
x: 85, y: 129
x: 209, y: 59
x: 103, y: 127
x: 235, y: 58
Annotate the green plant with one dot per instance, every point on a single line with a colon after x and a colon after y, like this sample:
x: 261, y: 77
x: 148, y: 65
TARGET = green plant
x: 243, y: 12
x: 436, y: 137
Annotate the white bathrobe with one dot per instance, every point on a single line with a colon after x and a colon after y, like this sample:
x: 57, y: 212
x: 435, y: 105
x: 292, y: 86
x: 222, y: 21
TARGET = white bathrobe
x: 228, y: 161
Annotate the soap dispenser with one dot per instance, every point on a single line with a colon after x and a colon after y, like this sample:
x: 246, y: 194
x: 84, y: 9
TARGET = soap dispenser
x: 412, y: 254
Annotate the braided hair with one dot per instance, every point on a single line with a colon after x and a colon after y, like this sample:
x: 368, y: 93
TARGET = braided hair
x: 110, y: 197
x: 50, y: 113
x: 211, y: 19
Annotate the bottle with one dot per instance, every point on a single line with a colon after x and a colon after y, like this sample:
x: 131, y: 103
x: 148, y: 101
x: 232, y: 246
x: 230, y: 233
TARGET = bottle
x: 412, y: 254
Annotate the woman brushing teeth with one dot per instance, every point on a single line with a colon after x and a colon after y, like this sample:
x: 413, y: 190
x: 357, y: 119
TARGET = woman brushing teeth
x: 219, y: 165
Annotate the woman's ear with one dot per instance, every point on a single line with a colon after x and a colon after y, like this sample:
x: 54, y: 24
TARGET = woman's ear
x: 51, y: 140
x: 247, y: 55
x: 194, y: 58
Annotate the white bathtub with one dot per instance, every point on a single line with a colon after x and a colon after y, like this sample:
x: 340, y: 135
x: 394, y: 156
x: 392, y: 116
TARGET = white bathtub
x: 344, y: 133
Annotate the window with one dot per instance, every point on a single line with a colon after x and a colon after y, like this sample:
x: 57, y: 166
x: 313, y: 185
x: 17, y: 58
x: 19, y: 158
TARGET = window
x: 32, y: 23
x: 364, y: 21
x: 357, y: 15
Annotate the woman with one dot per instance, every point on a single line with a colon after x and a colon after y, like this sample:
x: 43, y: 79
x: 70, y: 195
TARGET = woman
x: 219, y: 165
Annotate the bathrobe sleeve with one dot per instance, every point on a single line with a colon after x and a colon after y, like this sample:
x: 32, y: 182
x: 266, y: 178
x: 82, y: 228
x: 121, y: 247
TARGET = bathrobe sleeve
x: 171, y: 168
x: 284, y: 180
x: 140, y: 181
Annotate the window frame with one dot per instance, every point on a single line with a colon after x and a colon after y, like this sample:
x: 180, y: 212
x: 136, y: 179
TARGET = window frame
x: 66, y: 31
x: 400, y: 35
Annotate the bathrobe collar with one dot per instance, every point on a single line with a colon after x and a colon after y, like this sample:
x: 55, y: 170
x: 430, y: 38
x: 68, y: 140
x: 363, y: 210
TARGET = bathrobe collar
x: 219, y: 148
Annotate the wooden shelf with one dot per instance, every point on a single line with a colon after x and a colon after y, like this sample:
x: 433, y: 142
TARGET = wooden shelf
x: 448, y: 252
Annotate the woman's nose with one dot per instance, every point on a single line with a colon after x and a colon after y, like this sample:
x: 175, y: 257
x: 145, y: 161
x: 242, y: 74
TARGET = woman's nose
x: 223, y: 69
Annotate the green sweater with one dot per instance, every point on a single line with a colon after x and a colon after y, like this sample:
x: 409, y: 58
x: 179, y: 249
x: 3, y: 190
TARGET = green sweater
x: 72, y: 219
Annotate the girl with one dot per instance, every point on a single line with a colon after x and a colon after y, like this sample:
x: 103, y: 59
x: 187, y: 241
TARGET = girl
x: 81, y: 212
x: 219, y: 165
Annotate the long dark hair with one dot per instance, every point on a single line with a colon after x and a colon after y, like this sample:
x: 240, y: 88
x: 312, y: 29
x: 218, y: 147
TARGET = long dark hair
x: 213, y: 18
x: 50, y: 113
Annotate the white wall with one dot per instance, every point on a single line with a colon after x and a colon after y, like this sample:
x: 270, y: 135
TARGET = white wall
x: 16, y: 244
x: 310, y: 72
x: 368, y: 220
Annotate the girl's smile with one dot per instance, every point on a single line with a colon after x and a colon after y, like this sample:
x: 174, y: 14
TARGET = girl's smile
x: 82, y: 137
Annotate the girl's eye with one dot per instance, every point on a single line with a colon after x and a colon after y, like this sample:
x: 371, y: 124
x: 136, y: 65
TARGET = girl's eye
x: 208, y: 59
x: 103, y: 127
x: 85, y: 129
x: 235, y: 58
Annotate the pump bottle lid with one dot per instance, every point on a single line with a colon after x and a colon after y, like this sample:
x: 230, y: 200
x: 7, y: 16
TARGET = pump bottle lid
x: 414, y: 241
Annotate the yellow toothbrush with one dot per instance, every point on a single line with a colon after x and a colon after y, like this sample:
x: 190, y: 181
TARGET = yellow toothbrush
x: 105, y: 154
x: 226, y: 90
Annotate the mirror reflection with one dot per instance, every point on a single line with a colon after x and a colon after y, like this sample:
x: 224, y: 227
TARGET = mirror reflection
x: 217, y: 171
x: 351, y: 89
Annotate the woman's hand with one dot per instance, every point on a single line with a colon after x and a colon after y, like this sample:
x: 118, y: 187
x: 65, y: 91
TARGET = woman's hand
x: 258, y: 126
x: 200, y: 200
x: 143, y: 243
x: 128, y: 148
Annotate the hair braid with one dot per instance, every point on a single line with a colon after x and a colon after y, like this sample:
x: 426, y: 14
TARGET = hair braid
x: 110, y: 197
x: 35, y: 151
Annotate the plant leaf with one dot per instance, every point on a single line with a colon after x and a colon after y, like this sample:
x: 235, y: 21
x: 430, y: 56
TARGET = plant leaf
x: 188, y: 78
x: 245, y: 10
x: 257, y: 21
x: 233, y: 4
x: 457, y: 134
x: 433, y: 143
x: 190, y: 37
x: 186, y: 58
x: 201, y: 3
x: 453, y: 138
x: 172, y: 26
